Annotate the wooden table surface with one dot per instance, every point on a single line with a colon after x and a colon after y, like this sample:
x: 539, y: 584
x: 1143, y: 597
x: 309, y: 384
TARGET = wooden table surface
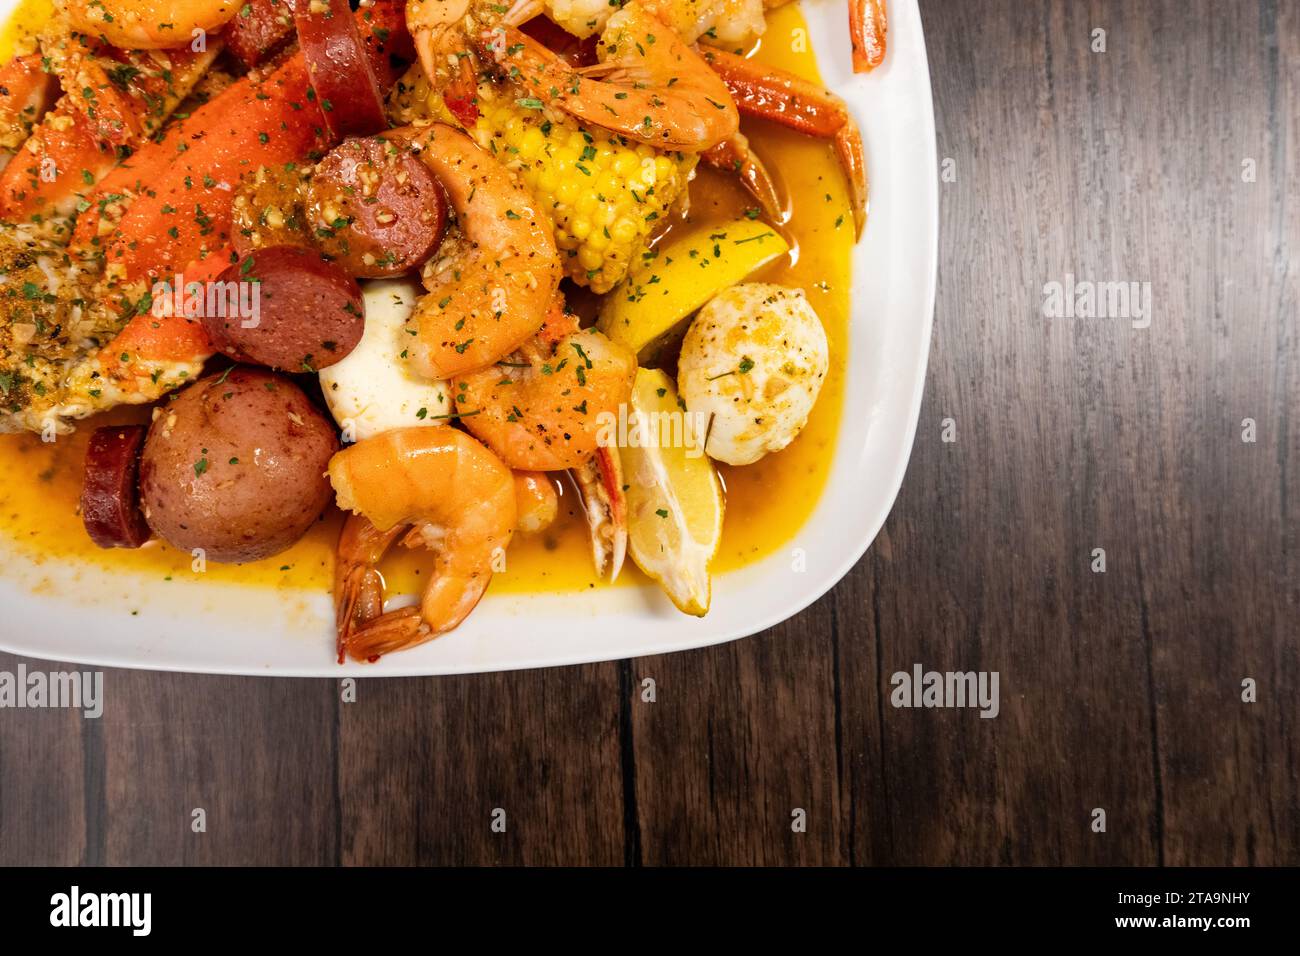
x: 1168, y: 159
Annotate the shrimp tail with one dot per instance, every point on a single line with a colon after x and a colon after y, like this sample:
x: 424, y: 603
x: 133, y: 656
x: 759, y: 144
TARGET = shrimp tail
x: 358, y: 586
x: 393, y: 631
x: 366, y: 632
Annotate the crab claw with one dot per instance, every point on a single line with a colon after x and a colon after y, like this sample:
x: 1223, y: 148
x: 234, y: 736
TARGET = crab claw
x: 599, y: 481
x: 768, y: 93
x: 734, y: 156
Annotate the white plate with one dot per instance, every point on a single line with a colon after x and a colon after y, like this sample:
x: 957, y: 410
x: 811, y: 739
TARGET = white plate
x: 84, y: 615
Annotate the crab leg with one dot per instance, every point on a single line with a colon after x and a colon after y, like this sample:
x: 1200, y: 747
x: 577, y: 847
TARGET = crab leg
x: 170, y: 204
x: 867, y: 28
x: 150, y: 356
x: 182, y: 211
x: 161, y: 207
x: 771, y: 94
x: 168, y: 210
x: 114, y: 100
x: 26, y: 94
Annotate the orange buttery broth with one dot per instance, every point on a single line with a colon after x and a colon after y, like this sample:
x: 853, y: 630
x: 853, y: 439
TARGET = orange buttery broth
x: 767, y: 502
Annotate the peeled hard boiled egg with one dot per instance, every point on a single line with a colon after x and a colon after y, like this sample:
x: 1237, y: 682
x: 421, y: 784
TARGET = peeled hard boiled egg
x: 375, y: 389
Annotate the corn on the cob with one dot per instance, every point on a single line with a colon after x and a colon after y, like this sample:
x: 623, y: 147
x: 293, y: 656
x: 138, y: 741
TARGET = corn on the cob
x: 606, y: 195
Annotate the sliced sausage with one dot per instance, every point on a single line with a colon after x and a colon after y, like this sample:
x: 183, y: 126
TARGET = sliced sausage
x: 307, y: 313
x: 375, y: 208
x: 259, y: 30
x: 573, y: 50
x: 339, y: 69
x: 110, y: 502
x: 267, y: 209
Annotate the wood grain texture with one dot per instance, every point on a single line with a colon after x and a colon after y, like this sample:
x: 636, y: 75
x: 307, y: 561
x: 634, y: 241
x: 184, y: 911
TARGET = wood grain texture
x: 425, y: 764
x: 1119, y: 690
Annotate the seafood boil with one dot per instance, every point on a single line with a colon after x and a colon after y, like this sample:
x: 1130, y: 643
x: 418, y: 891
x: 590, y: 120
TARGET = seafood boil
x: 446, y: 269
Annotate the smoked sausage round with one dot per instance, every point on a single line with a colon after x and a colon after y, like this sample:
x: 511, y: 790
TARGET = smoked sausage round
x: 306, y: 312
x: 110, y: 501
x: 375, y: 208
x: 340, y: 72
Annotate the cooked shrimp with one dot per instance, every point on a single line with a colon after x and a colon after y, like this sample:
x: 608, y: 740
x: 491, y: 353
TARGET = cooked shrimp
x: 490, y: 286
x: 441, y: 31
x: 149, y: 24
x: 536, y: 501
x: 731, y: 24
x: 545, y: 407
x: 650, y: 86
x: 438, y: 29
x: 455, y: 497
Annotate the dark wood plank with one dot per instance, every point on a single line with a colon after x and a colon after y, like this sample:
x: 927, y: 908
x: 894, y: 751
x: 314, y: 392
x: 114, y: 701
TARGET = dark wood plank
x: 1120, y: 690
x: 46, y: 798
x: 738, y: 739
x: 256, y: 755
x: 1216, y: 552
x: 425, y: 763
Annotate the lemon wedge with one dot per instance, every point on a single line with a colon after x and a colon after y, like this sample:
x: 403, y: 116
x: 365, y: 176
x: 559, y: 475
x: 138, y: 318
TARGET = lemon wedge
x: 674, y: 497
x: 647, y: 308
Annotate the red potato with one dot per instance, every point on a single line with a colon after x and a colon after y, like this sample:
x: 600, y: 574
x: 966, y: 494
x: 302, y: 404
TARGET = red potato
x: 375, y: 208
x: 236, y: 465
x: 110, y: 501
x: 340, y: 72
x: 308, y: 312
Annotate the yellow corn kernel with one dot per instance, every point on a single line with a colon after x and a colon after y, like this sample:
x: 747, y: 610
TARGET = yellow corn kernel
x: 623, y: 231
x: 626, y: 164
x: 605, y: 195
x: 532, y: 142
x: 566, y: 195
